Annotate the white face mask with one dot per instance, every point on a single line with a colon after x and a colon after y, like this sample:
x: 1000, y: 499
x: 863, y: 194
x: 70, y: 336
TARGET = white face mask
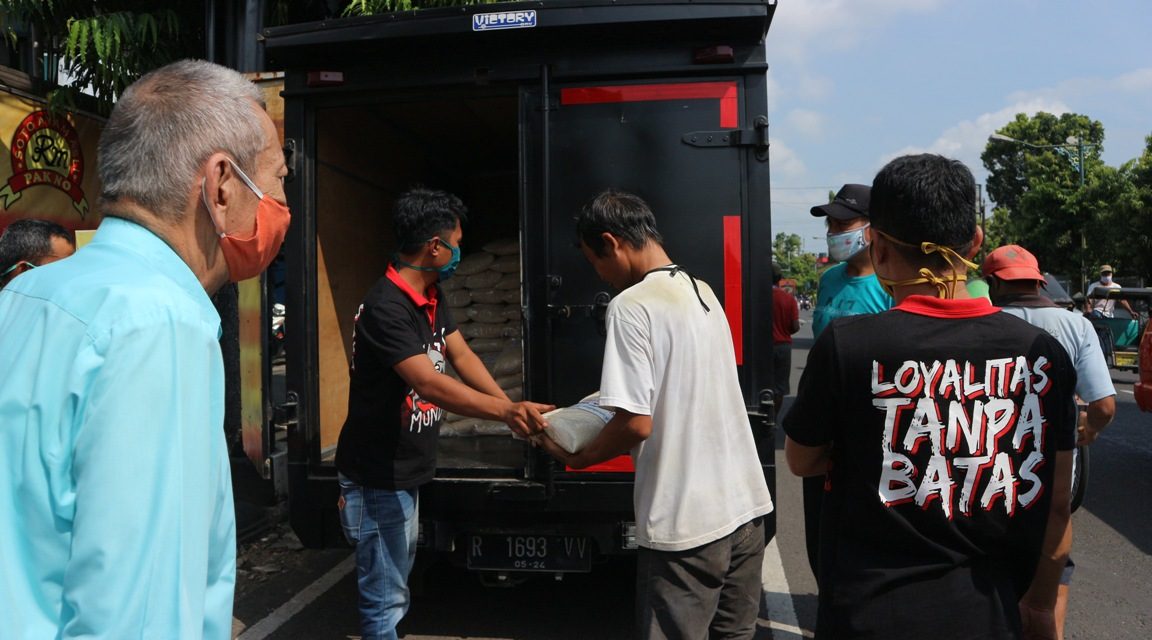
x: 1106, y: 279
x: 842, y: 246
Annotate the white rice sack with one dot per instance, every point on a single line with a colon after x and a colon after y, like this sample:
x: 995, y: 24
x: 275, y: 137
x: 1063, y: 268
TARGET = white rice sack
x: 509, y: 361
x: 509, y: 296
x: 507, y: 264
x: 491, y: 428
x: 511, y: 380
x: 574, y: 427
x: 511, y: 313
x: 507, y: 246
x: 457, y: 299
x: 482, y: 330
x: 505, y: 281
x: 510, y: 330
x: 486, y: 345
x: 490, y: 296
x: 489, y: 313
x: 451, y: 284
x: 485, y: 280
x: 515, y: 394
x: 475, y: 263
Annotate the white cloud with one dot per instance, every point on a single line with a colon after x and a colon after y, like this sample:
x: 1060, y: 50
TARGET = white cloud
x: 784, y: 162
x: 1136, y: 81
x: 965, y: 141
x: 837, y: 24
x: 806, y: 122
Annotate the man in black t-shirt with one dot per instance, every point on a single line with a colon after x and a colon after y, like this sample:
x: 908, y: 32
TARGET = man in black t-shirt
x: 403, y: 339
x: 946, y: 429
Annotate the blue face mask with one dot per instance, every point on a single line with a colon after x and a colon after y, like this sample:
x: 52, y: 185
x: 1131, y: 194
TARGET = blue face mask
x: 449, y: 269
x: 446, y: 271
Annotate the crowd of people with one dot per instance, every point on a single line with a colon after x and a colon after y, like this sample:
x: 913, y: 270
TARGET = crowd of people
x: 934, y: 430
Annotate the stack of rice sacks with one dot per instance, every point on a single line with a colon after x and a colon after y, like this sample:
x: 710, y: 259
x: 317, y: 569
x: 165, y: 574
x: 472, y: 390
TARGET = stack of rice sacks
x: 484, y: 297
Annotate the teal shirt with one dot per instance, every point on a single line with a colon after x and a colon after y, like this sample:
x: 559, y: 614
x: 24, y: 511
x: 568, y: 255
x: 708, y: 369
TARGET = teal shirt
x: 115, y: 487
x: 841, y: 295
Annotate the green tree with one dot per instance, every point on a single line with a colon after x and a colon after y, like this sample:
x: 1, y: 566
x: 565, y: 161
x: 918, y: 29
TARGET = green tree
x: 103, y: 46
x: 370, y: 7
x: 1126, y: 227
x: 1040, y: 203
x: 788, y: 253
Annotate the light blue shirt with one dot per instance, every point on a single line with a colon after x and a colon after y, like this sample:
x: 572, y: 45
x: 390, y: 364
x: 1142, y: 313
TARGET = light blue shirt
x: 1079, y: 339
x: 841, y: 295
x: 116, y: 516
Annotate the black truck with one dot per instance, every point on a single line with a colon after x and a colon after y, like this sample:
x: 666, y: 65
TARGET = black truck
x: 526, y: 110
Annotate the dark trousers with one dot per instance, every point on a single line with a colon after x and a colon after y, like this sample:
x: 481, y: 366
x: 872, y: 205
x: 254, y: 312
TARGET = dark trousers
x: 709, y: 592
x: 781, y: 372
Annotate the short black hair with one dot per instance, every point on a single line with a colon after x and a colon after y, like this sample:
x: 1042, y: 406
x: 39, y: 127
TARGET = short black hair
x: 420, y: 214
x: 925, y: 198
x: 31, y: 240
x: 621, y: 214
x: 777, y: 275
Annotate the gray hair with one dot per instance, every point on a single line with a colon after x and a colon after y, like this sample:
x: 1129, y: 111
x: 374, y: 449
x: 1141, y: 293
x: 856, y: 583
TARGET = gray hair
x: 165, y: 126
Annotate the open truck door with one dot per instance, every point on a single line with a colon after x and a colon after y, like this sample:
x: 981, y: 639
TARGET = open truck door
x: 526, y: 111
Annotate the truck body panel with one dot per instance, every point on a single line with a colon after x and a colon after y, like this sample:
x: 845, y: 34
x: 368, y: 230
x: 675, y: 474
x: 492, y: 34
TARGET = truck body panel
x: 526, y: 124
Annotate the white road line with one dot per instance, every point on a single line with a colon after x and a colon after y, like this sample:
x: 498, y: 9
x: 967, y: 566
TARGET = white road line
x: 777, y: 603
x: 286, y: 611
x: 1129, y: 391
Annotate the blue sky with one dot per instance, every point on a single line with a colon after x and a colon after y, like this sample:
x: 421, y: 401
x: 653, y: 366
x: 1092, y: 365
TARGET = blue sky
x: 855, y: 83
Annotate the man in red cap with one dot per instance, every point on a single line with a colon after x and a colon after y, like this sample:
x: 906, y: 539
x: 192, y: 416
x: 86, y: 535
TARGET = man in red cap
x: 1014, y: 281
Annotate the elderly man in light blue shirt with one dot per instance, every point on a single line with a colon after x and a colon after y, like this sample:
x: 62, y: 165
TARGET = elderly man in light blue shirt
x: 116, y: 515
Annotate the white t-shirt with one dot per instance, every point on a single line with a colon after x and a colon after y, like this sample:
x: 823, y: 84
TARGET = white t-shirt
x: 1076, y: 334
x: 1103, y: 305
x: 698, y: 477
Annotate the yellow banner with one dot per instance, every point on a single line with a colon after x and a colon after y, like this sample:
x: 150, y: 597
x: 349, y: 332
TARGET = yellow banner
x: 47, y: 164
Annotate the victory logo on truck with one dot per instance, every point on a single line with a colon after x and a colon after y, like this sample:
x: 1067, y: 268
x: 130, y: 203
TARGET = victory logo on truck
x: 46, y: 152
x: 504, y: 20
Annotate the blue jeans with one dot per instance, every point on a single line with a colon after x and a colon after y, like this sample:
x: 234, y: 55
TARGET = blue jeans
x: 383, y: 526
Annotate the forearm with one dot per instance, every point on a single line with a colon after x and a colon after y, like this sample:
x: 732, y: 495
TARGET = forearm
x: 805, y: 461
x: 1057, y: 546
x: 622, y: 433
x: 457, y: 397
x: 1057, y: 539
x: 1100, y: 413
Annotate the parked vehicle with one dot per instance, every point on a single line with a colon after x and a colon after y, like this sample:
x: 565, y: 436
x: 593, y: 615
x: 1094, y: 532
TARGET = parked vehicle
x: 525, y: 110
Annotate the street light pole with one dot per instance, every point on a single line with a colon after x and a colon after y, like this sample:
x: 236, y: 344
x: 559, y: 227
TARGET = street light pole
x: 1078, y: 162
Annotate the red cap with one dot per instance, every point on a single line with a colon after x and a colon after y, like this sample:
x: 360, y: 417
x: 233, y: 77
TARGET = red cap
x: 1012, y: 262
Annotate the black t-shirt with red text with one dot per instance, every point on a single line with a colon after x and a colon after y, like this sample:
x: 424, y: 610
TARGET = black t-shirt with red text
x: 944, y: 417
x: 389, y: 438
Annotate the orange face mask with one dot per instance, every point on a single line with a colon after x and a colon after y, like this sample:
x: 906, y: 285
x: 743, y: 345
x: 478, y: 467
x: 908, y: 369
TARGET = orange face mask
x: 248, y: 257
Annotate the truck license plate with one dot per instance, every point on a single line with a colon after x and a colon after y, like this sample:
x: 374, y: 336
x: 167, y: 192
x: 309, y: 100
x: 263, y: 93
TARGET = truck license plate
x: 529, y: 553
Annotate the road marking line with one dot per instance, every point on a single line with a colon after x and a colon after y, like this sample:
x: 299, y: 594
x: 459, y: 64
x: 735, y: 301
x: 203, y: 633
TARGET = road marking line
x: 286, y: 611
x: 777, y: 597
x: 1128, y: 391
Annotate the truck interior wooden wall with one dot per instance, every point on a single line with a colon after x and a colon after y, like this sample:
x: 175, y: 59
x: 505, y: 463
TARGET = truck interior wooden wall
x: 467, y: 145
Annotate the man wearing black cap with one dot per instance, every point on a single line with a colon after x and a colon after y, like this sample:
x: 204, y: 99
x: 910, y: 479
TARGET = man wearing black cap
x: 946, y: 429
x: 847, y: 289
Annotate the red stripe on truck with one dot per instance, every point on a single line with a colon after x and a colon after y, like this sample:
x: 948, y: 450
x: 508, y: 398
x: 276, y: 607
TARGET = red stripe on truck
x: 734, y: 284
x: 725, y: 92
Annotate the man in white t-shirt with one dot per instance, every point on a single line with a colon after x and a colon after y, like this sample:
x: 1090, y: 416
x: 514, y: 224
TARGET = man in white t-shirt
x: 1099, y: 306
x: 670, y: 374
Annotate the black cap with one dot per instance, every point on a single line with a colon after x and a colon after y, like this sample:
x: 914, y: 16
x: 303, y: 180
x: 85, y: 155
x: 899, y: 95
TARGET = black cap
x: 850, y: 202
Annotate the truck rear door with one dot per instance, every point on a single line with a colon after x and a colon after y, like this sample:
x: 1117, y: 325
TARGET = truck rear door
x: 691, y: 148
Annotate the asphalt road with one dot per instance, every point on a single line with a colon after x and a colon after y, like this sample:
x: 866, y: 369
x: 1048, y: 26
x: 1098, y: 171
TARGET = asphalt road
x: 286, y: 592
